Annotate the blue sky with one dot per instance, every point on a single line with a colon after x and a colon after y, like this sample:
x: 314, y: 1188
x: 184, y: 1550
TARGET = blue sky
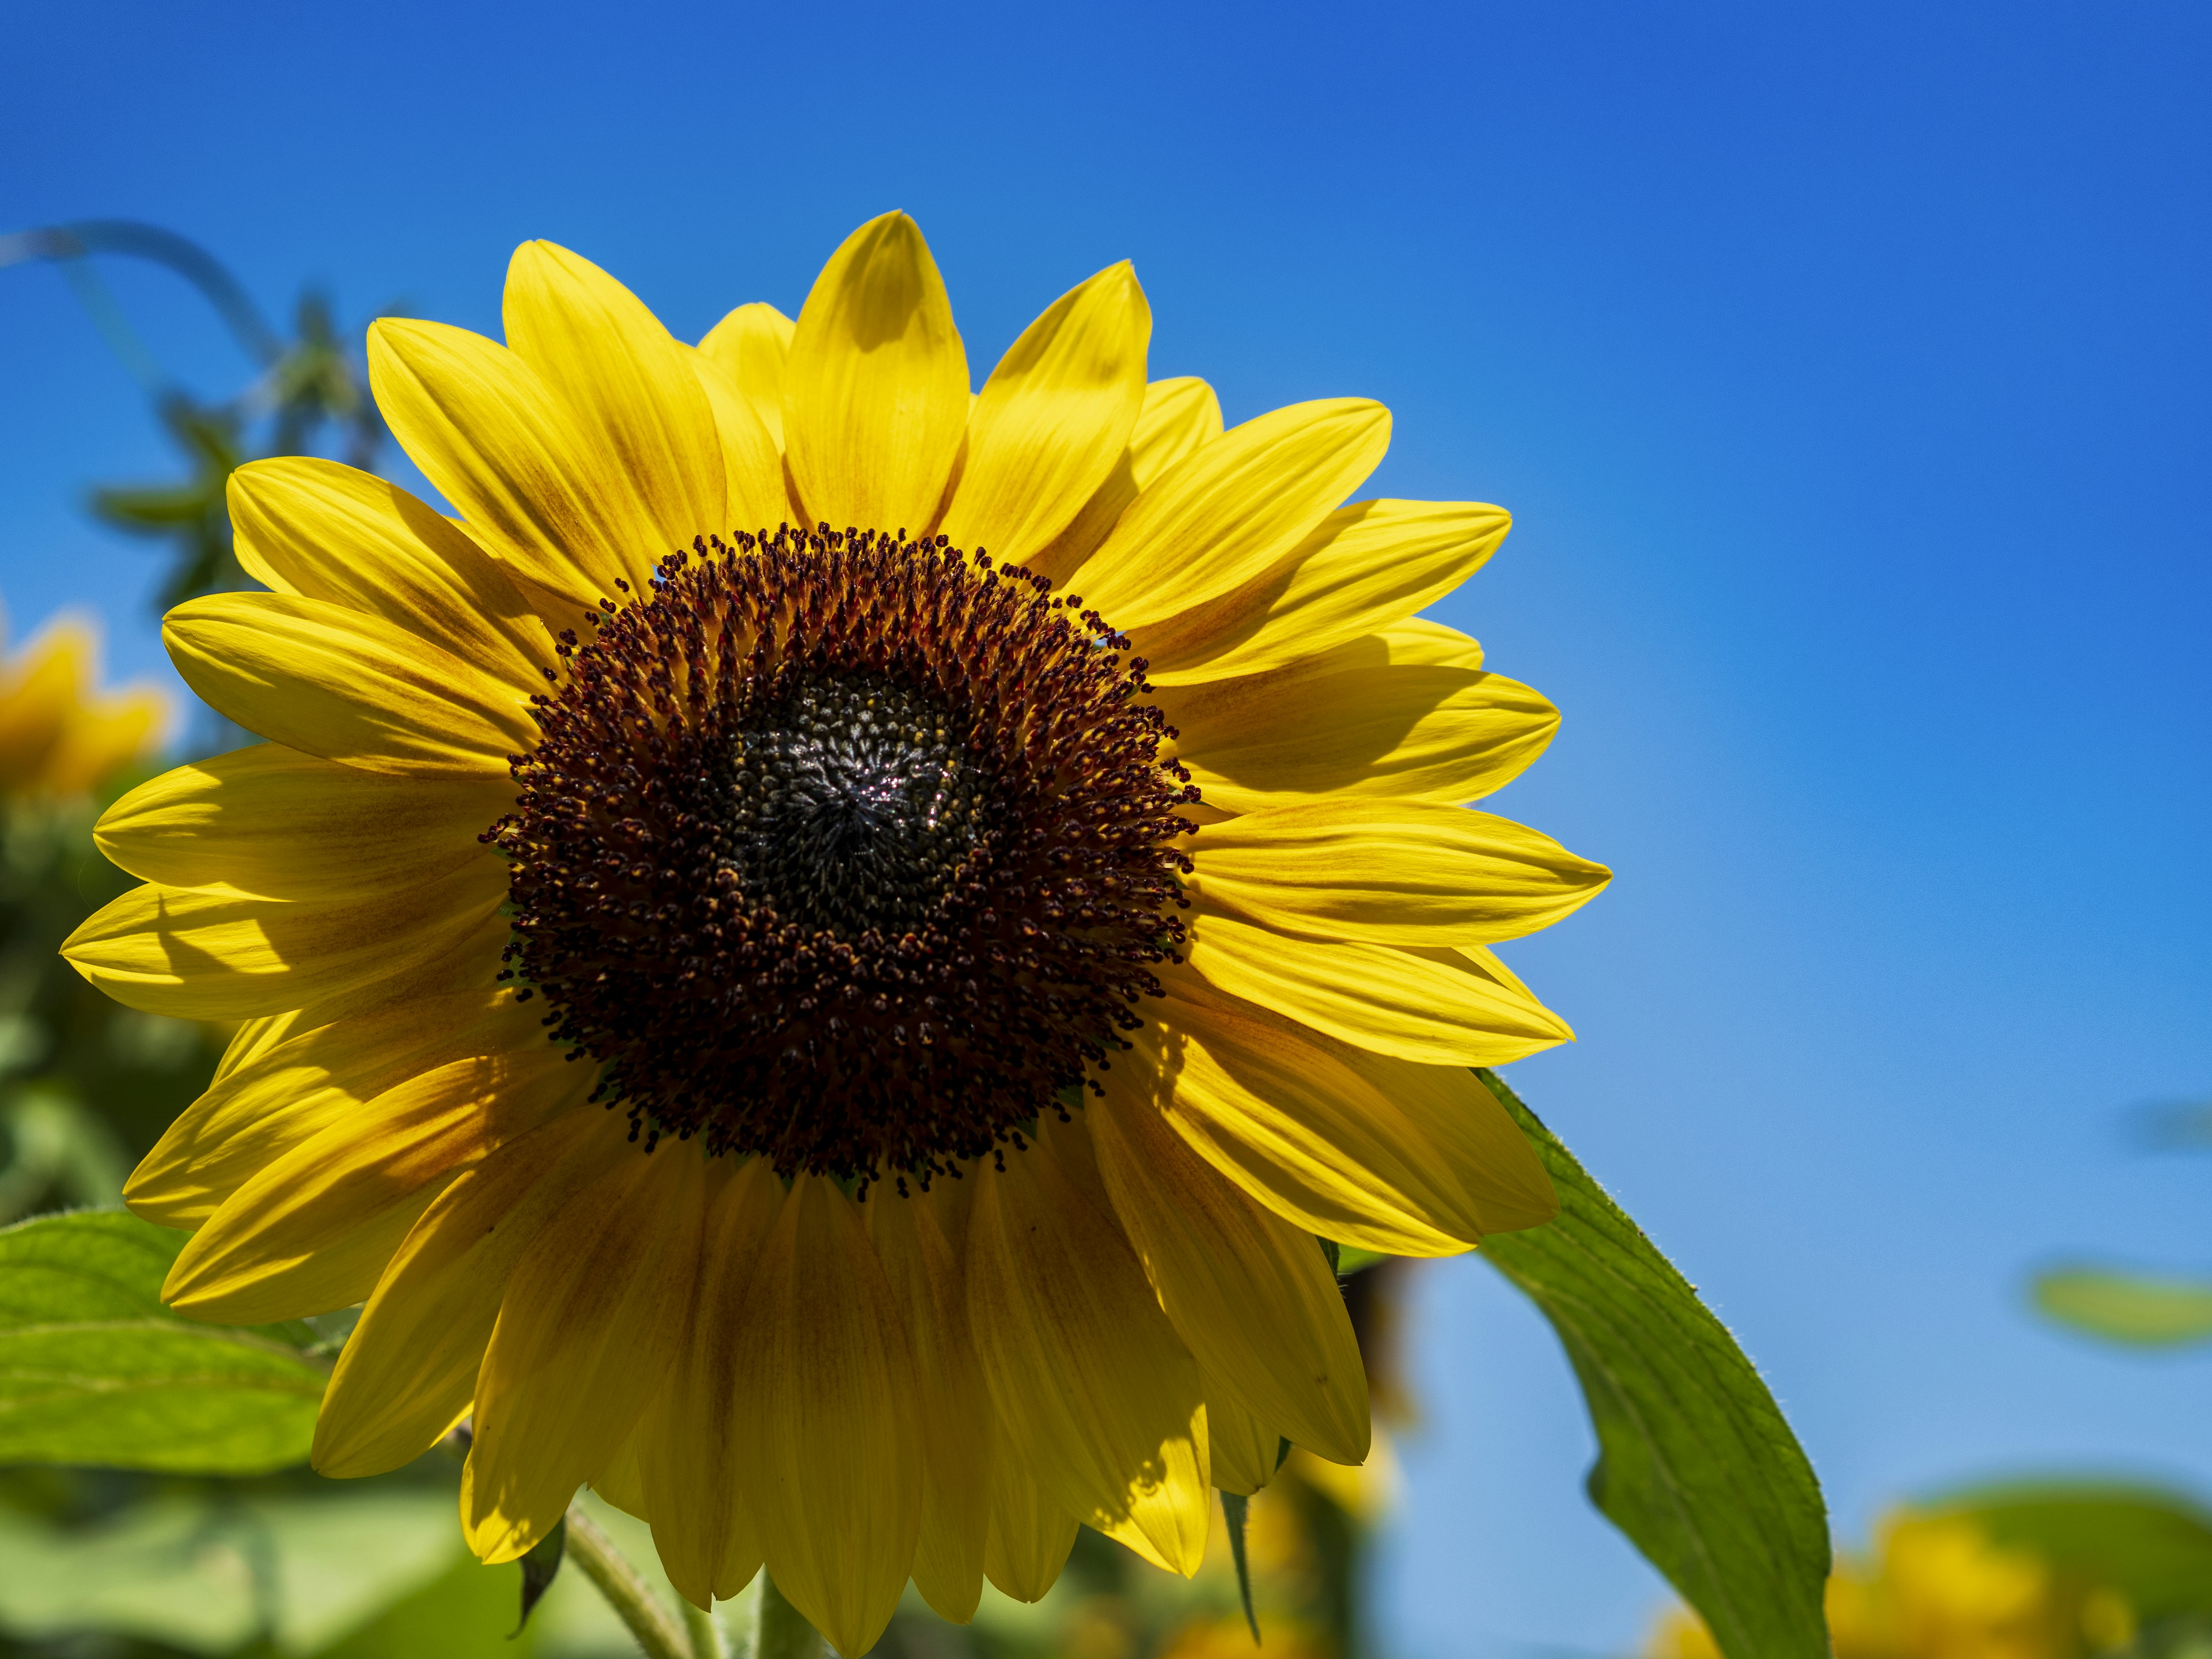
x: 1846, y: 370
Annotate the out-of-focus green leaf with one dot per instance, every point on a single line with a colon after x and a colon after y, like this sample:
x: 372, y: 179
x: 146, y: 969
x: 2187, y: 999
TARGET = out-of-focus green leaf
x: 2150, y: 1313
x: 1237, y: 1512
x: 93, y: 1370
x: 1696, y: 1463
x: 540, y: 1567
x: 2155, y: 1548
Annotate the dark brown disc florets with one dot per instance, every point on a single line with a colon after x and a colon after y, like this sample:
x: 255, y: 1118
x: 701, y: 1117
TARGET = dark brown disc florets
x: 846, y: 850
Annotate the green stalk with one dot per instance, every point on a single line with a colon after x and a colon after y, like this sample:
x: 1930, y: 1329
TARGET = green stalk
x: 706, y: 1635
x: 780, y: 1630
x: 628, y: 1595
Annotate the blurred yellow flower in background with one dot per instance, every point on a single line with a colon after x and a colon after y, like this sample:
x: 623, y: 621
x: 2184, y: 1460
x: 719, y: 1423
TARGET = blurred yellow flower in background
x: 59, y: 733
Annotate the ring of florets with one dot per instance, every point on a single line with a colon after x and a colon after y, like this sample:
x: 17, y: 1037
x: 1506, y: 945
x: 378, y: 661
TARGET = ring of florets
x: 851, y: 852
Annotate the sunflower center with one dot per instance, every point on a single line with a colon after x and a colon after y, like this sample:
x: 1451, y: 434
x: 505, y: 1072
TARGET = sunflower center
x: 846, y: 851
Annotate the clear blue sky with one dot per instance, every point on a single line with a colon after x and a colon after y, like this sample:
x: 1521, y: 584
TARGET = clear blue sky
x: 1847, y: 371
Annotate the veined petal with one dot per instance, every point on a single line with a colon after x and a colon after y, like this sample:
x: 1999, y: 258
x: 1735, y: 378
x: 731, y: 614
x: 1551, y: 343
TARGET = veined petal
x: 752, y: 344
x: 1029, y: 1538
x: 828, y: 1454
x: 219, y: 955
x: 752, y: 465
x: 1244, y: 1447
x: 628, y: 385
x: 275, y: 824
x: 1251, y: 1295
x: 704, y: 1526
x: 924, y: 1275
x: 1363, y: 568
x: 590, y: 1323
x: 1391, y: 872
x: 1178, y: 415
x: 1054, y: 418
x: 503, y: 448
x: 1282, y: 1115
x: 409, y: 1368
x: 1098, y: 1394
x: 255, y: 1037
x: 875, y: 395
x: 262, y: 1257
x: 1419, y: 1006
x: 347, y: 685
x: 1233, y: 510
x: 320, y: 530
x: 1478, y: 1141
x: 1358, y: 721
x: 622, y: 1482
x: 259, y: 1110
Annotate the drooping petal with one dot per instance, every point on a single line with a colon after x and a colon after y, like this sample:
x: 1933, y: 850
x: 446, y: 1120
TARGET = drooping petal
x: 628, y: 386
x: 875, y: 396
x: 409, y: 1368
x: 752, y: 465
x: 752, y: 344
x: 217, y: 955
x: 1413, y: 1004
x: 347, y: 685
x: 277, y: 823
x: 828, y: 1449
x: 272, y: 1251
x: 1030, y: 1536
x: 704, y: 1525
x: 1391, y: 872
x: 259, y: 1110
x: 1233, y: 510
x: 1054, y: 418
x: 1358, y: 721
x: 1098, y: 1394
x: 1251, y: 1295
x: 593, y: 1318
x: 1177, y: 416
x: 313, y: 528
x: 503, y: 448
x: 926, y: 1276
x: 1363, y: 568
x: 1272, y: 1107
x: 1244, y: 1447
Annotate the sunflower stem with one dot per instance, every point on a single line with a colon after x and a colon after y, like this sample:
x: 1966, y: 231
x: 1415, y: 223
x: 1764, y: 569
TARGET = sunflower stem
x: 627, y: 1592
x: 780, y: 1630
x: 706, y: 1635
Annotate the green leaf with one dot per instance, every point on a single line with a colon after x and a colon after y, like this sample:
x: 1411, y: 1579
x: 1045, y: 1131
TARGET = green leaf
x: 1695, y: 1463
x: 94, y: 1370
x: 539, y: 1569
x: 2148, y: 1313
x: 2152, y: 1546
x: 1236, y: 1510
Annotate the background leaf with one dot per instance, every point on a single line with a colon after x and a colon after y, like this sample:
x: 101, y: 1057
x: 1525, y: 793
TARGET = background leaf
x: 93, y: 1370
x: 2151, y: 1313
x: 1696, y: 1463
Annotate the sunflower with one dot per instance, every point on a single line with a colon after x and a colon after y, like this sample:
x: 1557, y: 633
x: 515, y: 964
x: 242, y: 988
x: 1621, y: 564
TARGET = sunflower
x: 821, y: 954
x: 59, y: 734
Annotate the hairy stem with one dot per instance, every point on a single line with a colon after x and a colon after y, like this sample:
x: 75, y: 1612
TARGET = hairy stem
x: 628, y: 1593
x: 780, y: 1630
x: 706, y: 1635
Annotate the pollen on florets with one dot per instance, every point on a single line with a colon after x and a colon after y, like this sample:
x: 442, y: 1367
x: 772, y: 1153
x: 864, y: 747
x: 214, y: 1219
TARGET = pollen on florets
x: 846, y: 850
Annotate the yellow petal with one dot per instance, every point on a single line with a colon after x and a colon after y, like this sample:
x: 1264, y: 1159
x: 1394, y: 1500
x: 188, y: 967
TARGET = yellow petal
x: 258, y: 1111
x: 1251, y: 1295
x: 1233, y: 510
x: 704, y: 1527
x: 469, y: 961
x: 1391, y: 872
x: 875, y: 396
x: 1054, y: 417
x: 255, y: 1037
x: 217, y: 955
x: 1177, y: 416
x: 627, y: 384
x: 409, y: 1368
x: 270, y: 1252
x: 1363, y: 568
x: 1030, y: 1536
x: 1416, y: 1006
x: 1244, y: 1447
x: 347, y: 686
x: 590, y: 1325
x: 1478, y: 1143
x: 752, y: 344
x: 925, y: 1277
x: 497, y: 442
x: 1358, y: 720
x: 275, y: 824
x: 828, y: 1453
x: 1098, y: 1394
x: 752, y: 466
x: 622, y: 1482
x: 1270, y: 1106
x: 320, y: 530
